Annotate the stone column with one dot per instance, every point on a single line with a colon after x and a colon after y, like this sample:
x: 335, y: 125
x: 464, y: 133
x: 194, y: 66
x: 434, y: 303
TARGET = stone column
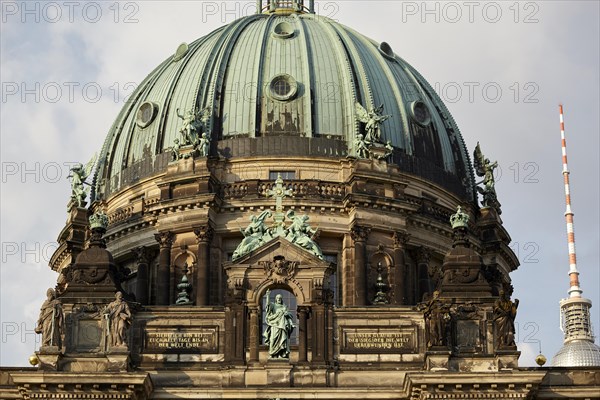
x: 303, y: 313
x: 203, y: 236
x: 141, y: 287
x: 399, y: 284
x: 359, y: 236
x: 424, y: 284
x: 347, y: 275
x: 254, y: 330
x: 163, y: 277
x: 319, y: 340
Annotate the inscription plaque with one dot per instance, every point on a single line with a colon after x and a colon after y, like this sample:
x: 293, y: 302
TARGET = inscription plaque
x: 198, y: 340
x: 88, y: 337
x: 379, y: 340
x: 468, y: 336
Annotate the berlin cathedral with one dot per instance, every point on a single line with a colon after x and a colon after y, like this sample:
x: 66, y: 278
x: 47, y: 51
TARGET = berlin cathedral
x: 323, y: 233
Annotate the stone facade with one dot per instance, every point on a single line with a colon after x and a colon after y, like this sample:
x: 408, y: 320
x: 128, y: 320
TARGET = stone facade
x: 397, y: 303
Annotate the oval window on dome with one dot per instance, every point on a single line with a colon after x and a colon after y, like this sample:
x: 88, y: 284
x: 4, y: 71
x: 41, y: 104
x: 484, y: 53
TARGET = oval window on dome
x: 420, y: 113
x: 283, y: 87
x: 146, y: 114
x: 386, y: 50
x: 181, y: 51
x: 283, y: 30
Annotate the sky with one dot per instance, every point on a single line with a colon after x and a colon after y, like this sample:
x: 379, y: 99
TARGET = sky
x: 501, y: 67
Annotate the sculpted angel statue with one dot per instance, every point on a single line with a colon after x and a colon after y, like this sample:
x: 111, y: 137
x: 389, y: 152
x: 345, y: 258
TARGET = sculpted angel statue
x: 300, y: 233
x: 254, y: 235
x: 372, y: 120
x: 485, y: 168
x: 78, y: 177
x: 193, y: 123
x: 279, y: 327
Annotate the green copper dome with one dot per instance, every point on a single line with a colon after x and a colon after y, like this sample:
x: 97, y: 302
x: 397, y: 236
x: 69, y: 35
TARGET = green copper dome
x: 297, y: 77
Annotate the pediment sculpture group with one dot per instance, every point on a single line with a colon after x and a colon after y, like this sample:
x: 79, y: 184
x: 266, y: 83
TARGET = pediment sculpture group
x: 258, y: 233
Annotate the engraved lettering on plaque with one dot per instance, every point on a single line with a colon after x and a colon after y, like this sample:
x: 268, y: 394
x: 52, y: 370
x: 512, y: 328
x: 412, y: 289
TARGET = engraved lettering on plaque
x: 362, y: 340
x: 203, y: 340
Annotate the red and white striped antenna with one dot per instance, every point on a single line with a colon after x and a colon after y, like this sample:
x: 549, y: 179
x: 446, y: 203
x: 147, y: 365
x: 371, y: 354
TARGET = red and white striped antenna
x: 574, y: 290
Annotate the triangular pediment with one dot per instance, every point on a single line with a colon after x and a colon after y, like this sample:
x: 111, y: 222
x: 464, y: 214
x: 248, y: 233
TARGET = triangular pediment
x: 280, y: 246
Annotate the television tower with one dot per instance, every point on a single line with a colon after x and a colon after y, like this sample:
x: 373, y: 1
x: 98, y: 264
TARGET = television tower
x: 579, y: 349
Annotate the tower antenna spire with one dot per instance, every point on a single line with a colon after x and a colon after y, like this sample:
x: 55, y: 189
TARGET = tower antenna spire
x: 579, y: 349
x: 574, y: 289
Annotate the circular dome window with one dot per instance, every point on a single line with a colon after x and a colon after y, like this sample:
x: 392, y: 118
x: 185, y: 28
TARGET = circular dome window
x: 420, y: 113
x: 387, y: 51
x: 181, y: 51
x: 283, y: 87
x: 283, y: 30
x: 146, y: 114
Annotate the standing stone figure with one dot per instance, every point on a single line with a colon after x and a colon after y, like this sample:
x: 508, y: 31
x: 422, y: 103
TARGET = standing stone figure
x: 437, y: 317
x: 279, y: 327
x: 362, y: 150
x: 118, y: 317
x: 204, y: 145
x: 51, y: 321
x: 505, y: 312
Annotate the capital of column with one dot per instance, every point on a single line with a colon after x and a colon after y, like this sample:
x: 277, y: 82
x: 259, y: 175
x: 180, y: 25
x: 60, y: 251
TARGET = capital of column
x: 423, y: 255
x: 165, y: 239
x: 360, y: 233
x: 400, y: 239
x: 204, y: 233
x: 143, y: 255
x: 303, y: 310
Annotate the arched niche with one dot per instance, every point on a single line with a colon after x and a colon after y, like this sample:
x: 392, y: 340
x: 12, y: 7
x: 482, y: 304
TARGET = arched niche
x: 183, y: 259
x: 380, y: 262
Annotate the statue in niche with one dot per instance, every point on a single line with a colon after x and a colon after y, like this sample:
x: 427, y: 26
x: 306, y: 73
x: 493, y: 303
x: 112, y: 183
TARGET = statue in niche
x: 505, y: 312
x: 279, y: 327
x: 372, y: 120
x: 51, y: 321
x: 300, y: 233
x: 254, y: 235
x: 118, y: 318
x: 485, y: 168
x: 78, y: 177
x: 437, y: 318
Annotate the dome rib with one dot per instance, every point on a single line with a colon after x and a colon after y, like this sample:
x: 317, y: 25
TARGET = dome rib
x: 348, y: 91
x: 308, y: 80
x: 211, y: 93
x: 377, y: 66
